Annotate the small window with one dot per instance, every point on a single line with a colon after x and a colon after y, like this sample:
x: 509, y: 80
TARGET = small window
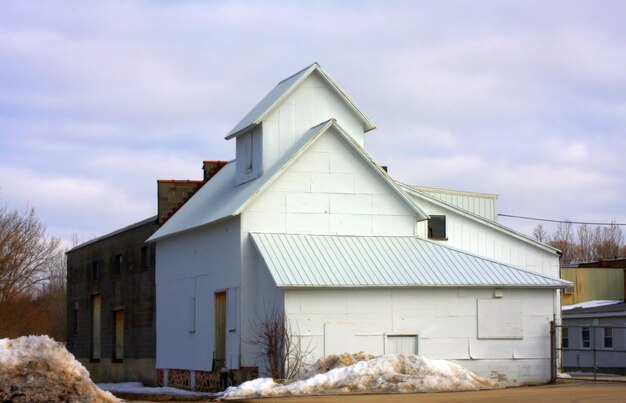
x: 585, y: 337
x: 608, y: 337
x: 95, y: 270
x: 118, y: 336
x: 437, y: 227
x: 117, y: 265
x: 144, y: 257
x: 564, y: 337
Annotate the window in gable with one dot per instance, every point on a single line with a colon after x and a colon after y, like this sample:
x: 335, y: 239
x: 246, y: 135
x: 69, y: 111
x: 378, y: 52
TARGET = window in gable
x: 437, y: 227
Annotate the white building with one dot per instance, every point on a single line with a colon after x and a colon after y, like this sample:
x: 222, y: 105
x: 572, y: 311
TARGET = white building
x: 305, y: 221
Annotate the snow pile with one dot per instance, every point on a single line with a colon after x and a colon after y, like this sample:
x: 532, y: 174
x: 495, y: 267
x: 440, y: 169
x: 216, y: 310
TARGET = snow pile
x: 394, y: 373
x: 38, y: 369
x: 137, y: 388
x: 338, y: 361
x: 590, y: 304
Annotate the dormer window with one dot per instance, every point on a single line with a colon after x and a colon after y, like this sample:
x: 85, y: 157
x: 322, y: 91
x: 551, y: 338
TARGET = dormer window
x: 246, y: 140
x: 249, y: 154
x: 437, y: 227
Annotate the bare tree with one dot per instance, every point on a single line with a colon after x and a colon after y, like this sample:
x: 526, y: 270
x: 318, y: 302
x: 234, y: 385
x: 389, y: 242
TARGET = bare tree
x: 26, y: 255
x: 278, y: 346
x: 587, y: 239
x: 563, y: 240
x: 540, y: 234
x: 610, y: 241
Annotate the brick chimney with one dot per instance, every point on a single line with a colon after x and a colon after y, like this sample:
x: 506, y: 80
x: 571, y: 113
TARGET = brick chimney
x: 210, y: 168
x: 172, y: 194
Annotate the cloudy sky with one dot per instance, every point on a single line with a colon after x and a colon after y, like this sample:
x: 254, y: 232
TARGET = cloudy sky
x: 523, y: 99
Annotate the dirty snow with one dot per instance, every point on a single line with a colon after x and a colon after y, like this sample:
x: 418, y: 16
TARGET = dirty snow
x: 38, y: 369
x: 394, y: 373
x: 138, y: 388
x: 590, y: 304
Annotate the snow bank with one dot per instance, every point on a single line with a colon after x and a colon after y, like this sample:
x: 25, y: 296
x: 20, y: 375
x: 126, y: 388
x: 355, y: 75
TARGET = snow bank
x: 38, y: 369
x: 394, y: 373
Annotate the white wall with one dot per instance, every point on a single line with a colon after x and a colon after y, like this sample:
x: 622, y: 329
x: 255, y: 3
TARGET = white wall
x: 329, y: 190
x: 195, y: 265
x: 312, y: 103
x: 446, y: 322
x: 469, y: 235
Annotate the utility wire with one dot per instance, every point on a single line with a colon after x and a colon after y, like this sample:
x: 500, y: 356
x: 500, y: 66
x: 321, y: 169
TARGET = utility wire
x: 559, y: 221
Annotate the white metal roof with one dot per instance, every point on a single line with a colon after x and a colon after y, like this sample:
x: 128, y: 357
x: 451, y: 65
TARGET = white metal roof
x: 282, y: 90
x: 219, y: 198
x: 296, y: 260
x: 419, y: 194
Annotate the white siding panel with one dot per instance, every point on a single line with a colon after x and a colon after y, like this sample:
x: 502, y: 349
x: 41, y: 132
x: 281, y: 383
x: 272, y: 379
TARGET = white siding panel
x: 358, y: 224
x: 303, y: 223
x: 490, y: 349
x: 312, y: 161
x: 350, y: 204
x: 293, y: 182
x: 271, y: 222
x: 383, y: 204
x: 444, y: 349
x: 365, y: 183
x: 332, y: 183
x: 308, y: 203
x: 393, y: 225
x: 422, y: 312
x: 273, y: 202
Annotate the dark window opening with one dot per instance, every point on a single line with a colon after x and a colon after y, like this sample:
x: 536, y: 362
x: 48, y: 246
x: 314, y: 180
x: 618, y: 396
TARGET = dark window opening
x: 118, y: 336
x: 608, y: 337
x: 95, y: 270
x: 437, y: 227
x: 144, y: 257
x: 117, y: 266
x: 564, y: 337
x: 586, y: 337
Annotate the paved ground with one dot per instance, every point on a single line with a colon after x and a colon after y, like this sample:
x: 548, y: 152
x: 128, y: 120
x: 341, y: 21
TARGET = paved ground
x: 567, y: 391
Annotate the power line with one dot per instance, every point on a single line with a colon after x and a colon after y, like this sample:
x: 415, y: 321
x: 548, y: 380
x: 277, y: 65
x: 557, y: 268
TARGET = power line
x: 559, y: 221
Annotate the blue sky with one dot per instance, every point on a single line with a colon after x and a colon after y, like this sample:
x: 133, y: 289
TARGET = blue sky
x: 98, y: 100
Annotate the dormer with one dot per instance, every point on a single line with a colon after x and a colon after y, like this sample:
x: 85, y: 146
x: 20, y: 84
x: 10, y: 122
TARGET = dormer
x: 286, y: 113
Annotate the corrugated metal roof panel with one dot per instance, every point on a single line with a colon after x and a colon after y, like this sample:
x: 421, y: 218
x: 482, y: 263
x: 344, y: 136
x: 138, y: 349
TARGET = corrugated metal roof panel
x: 297, y: 260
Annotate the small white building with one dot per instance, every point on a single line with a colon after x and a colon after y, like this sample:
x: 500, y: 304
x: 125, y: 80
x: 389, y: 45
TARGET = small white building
x: 305, y: 221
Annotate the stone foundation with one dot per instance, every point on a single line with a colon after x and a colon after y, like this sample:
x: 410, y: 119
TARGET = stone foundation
x: 204, y: 381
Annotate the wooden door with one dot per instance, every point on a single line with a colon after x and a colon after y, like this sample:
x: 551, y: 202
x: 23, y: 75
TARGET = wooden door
x: 220, y: 330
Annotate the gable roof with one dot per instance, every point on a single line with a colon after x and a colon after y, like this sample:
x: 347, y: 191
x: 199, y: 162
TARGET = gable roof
x: 219, y: 198
x: 284, y: 89
x: 297, y: 260
x: 418, y: 194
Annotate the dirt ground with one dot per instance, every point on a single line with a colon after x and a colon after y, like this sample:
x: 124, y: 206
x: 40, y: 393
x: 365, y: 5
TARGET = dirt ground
x: 566, y: 391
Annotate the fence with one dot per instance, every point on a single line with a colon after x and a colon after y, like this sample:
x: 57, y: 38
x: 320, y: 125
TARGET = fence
x: 589, y: 352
